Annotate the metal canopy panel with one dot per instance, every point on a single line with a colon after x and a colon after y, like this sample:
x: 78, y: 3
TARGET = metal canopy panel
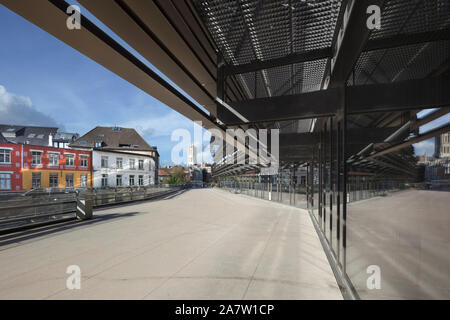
x: 402, y: 19
x: 412, y: 16
x: 399, y: 64
x: 255, y: 30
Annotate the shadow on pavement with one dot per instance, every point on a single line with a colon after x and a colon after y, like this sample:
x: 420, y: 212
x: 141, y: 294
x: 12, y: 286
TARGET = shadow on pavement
x: 58, y: 227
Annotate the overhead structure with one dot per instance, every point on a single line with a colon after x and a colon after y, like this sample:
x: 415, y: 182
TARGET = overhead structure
x: 344, y: 94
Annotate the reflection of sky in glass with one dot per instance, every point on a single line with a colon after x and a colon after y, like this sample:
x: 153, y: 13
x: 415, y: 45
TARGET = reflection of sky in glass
x: 427, y: 146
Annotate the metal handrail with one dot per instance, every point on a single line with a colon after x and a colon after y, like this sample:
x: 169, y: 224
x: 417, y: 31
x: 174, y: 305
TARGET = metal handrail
x: 99, y: 195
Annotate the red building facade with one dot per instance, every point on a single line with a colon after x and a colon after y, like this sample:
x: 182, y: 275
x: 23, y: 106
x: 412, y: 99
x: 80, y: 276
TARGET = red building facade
x: 25, y: 167
x: 10, y: 167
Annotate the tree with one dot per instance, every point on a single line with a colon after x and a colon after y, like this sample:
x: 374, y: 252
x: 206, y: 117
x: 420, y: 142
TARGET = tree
x: 177, y: 176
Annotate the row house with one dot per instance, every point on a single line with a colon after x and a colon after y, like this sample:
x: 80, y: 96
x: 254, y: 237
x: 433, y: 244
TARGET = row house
x: 10, y: 166
x: 48, y: 167
x: 26, y: 167
x: 121, y: 157
x: 122, y: 169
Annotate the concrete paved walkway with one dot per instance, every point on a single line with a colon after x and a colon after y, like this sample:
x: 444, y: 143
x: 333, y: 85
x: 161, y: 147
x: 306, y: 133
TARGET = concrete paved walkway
x: 202, y: 244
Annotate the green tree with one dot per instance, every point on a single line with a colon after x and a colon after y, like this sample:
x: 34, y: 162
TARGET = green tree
x: 178, y: 176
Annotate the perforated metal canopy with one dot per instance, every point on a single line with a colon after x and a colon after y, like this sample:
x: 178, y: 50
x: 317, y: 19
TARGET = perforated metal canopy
x: 284, y: 48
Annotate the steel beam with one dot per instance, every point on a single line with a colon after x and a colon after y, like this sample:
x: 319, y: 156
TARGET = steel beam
x: 425, y: 136
x: 402, y: 40
x: 351, y: 40
x: 399, y: 96
x: 302, y: 106
x: 355, y: 136
x: 278, y: 62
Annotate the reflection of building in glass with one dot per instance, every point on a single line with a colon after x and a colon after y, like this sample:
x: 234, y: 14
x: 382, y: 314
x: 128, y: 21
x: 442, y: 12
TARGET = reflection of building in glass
x: 442, y: 146
x: 195, y: 176
x: 438, y: 169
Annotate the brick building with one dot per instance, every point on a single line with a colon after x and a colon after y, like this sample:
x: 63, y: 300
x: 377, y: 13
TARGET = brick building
x: 25, y: 167
x: 10, y: 166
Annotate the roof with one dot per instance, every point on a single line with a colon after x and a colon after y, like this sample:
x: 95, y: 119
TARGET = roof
x: 65, y: 136
x: 126, y: 151
x: 113, y: 138
x: 2, y: 139
x: 38, y: 136
x: 164, y: 171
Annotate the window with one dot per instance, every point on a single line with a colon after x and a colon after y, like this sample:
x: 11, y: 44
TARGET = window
x: 132, y: 165
x: 5, y: 181
x: 98, y: 144
x: 53, y: 183
x: 69, y: 180
x: 104, y: 162
x: 104, y: 180
x: 70, y: 160
x: 84, y: 161
x: 53, y: 159
x: 36, y: 180
x: 55, y: 144
x: 141, y: 180
x: 36, y: 157
x: 5, y: 156
x: 119, y: 180
x: 119, y: 163
x: 83, y: 181
x: 141, y: 164
x: 131, y: 181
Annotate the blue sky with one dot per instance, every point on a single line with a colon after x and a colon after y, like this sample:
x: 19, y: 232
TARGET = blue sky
x: 45, y: 82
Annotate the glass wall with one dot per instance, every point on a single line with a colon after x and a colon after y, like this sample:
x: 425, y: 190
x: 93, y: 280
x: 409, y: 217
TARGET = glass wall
x: 398, y: 239
x: 386, y: 217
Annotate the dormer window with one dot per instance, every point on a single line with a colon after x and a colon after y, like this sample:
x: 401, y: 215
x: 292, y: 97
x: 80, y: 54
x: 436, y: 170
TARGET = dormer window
x: 98, y: 144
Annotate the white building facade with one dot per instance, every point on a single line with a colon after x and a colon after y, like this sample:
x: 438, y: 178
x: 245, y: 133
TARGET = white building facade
x: 121, y: 169
x: 192, y: 155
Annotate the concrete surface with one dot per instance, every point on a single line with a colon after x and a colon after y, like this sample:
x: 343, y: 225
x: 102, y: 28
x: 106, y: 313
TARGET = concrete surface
x: 407, y: 235
x: 202, y: 244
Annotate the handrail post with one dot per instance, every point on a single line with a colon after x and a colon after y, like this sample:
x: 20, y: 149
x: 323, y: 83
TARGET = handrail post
x: 84, y: 205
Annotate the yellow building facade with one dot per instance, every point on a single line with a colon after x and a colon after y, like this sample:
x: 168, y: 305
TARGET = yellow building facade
x: 35, y: 178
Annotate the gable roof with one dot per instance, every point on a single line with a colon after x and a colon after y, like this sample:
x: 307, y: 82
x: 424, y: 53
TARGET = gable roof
x: 37, y: 136
x: 164, y: 172
x: 113, y: 138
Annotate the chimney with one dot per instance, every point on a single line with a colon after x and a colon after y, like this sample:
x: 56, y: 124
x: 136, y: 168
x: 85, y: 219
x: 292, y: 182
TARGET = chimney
x: 50, y: 140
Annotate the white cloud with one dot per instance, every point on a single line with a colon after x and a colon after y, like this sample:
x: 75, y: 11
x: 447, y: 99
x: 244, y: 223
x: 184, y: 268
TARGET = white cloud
x: 15, y: 109
x: 424, y: 147
x: 157, y: 130
x: 159, y: 125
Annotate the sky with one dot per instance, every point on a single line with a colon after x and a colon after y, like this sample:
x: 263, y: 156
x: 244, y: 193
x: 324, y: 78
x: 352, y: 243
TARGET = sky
x: 45, y: 82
